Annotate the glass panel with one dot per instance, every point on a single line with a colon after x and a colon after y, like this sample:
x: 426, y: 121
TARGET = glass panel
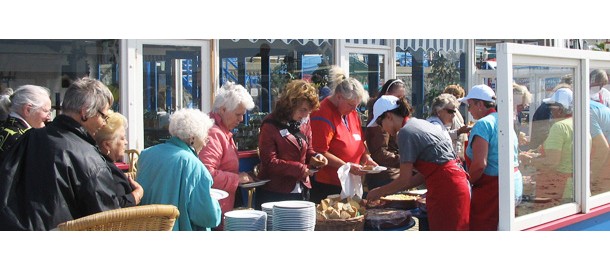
x: 55, y: 63
x: 369, y: 70
x: 426, y: 74
x: 544, y: 126
x: 600, y: 130
x: 264, y: 68
x: 171, y: 82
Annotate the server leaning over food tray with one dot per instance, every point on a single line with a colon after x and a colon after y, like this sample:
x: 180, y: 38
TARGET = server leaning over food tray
x: 423, y: 147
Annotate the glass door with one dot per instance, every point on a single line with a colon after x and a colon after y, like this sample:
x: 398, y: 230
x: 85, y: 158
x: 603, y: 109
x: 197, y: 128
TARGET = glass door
x: 173, y: 73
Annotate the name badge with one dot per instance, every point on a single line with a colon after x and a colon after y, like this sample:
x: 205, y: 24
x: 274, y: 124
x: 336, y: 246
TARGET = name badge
x: 284, y: 132
x: 357, y: 137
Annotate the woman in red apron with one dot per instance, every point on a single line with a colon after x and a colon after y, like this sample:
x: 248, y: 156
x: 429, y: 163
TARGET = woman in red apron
x: 425, y: 148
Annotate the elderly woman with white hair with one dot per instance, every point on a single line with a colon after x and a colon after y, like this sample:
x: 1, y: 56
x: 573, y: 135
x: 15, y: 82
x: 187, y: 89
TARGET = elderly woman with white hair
x: 28, y: 107
x: 220, y: 154
x: 171, y: 173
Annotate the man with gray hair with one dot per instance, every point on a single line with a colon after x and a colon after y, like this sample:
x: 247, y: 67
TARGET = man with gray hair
x: 598, y: 79
x: 57, y: 173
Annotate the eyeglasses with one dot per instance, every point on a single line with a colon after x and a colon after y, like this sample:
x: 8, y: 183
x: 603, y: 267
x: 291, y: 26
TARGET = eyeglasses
x: 451, y: 111
x: 104, y: 116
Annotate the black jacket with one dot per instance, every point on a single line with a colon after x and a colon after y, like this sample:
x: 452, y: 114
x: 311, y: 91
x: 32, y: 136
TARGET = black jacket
x: 122, y: 185
x: 52, y: 175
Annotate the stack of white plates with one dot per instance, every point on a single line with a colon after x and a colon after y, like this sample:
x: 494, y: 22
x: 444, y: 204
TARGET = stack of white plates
x: 294, y: 216
x: 245, y: 220
x: 268, y: 208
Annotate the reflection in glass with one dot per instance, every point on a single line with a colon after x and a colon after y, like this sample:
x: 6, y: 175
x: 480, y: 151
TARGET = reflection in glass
x: 171, y: 81
x: 600, y: 131
x: 545, y: 129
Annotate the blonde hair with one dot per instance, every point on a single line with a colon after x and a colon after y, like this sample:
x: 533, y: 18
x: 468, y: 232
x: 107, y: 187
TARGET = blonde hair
x: 109, y: 131
x: 456, y: 90
x: 522, y: 90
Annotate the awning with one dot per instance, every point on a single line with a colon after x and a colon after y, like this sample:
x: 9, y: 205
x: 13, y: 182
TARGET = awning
x: 456, y: 45
x: 317, y: 42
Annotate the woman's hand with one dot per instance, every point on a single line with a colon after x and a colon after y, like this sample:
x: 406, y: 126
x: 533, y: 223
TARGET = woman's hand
x: 368, y: 160
x: 245, y: 178
x: 463, y: 129
x: 318, y: 161
x: 138, y: 191
x: 356, y: 169
x: 374, y: 194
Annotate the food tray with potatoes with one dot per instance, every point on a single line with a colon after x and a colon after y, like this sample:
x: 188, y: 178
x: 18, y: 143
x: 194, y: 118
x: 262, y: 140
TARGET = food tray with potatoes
x: 400, y: 201
x: 334, y: 214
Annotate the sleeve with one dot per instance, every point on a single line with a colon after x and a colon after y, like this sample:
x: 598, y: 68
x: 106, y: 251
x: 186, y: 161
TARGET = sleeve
x: 322, y: 133
x: 204, y: 211
x: 97, y: 193
x: 377, y: 141
x: 211, y: 156
x: 556, y: 137
x: 268, y: 151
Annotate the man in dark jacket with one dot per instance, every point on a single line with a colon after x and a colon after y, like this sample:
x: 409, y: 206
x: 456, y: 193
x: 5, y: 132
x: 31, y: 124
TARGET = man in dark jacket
x: 56, y: 173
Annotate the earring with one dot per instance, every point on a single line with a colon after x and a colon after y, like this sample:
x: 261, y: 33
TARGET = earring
x: 108, y: 154
x: 83, y: 118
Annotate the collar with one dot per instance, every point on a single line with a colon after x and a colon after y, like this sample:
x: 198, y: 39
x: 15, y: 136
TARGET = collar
x: 181, y: 144
x: 16, y: 115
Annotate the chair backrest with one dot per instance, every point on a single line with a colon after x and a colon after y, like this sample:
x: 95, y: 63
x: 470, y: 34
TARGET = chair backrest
x: 153, y: 217
x: 132, y: 159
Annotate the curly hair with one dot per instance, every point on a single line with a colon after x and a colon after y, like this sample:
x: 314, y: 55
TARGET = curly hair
x: 231, y: 95
x: 187, y: 123
x: 456, y: 90
x: 295, y: 93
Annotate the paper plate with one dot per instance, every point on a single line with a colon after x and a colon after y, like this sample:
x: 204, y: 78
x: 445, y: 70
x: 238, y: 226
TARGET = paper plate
x: 376, y: 169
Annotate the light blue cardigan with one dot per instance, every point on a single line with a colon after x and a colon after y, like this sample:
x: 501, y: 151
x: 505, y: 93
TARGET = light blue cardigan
x: 171, y: 173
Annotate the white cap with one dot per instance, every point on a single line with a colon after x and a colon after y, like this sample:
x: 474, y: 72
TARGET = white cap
x: 383, y: 104
x: 481, y: 91
x: 562, y: 96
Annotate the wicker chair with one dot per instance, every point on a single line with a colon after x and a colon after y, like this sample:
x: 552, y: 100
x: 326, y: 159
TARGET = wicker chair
x: 154, y: 217
x: 132, y: 158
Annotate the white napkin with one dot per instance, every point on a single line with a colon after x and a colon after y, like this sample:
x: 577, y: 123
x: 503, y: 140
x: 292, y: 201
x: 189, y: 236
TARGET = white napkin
x: 351, y: 184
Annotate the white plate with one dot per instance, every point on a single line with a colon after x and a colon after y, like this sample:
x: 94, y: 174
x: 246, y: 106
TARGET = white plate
x: 416, y: 192
x: 218, y: 194
x: 376, y: 169
x: 258, y: 183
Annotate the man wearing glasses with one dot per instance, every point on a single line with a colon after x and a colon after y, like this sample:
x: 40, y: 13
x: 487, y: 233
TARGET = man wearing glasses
x: 56, y: 173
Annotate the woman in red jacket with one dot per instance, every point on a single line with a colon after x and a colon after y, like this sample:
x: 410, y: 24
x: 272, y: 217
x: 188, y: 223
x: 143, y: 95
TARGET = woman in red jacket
x: 285, y: 150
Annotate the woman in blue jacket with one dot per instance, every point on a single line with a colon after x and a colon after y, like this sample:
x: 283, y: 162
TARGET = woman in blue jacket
x: 171, y: 172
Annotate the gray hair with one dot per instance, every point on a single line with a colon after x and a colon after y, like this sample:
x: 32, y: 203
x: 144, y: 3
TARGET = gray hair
x: 441, y: 101
x: 87, y: 93
x: 599, y: 76
x: 231, y: 95
x: 187, y: 123
x: 349, y: 88
x: 25, y: 95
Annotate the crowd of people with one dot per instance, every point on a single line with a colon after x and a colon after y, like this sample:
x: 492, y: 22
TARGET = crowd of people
x: 52, y: 171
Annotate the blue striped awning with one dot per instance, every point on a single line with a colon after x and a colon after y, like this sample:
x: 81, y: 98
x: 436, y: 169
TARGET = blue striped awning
x: 317, y: 42
x: 456, y: 45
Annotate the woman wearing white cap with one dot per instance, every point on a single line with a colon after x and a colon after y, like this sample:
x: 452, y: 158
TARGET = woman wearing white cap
x: 482, y: 159
x: 424, y: 147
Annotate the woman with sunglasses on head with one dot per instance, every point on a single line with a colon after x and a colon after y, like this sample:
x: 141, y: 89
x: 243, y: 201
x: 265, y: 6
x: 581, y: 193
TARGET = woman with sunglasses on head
x: 381, y: 145
x: 482, y: 159
x: 425, y: 149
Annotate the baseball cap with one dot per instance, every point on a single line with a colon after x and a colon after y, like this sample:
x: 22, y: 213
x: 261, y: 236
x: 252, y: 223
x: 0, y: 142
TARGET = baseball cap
x: 481, y: 91
x: 562, y: 96
x: 383, y: 104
